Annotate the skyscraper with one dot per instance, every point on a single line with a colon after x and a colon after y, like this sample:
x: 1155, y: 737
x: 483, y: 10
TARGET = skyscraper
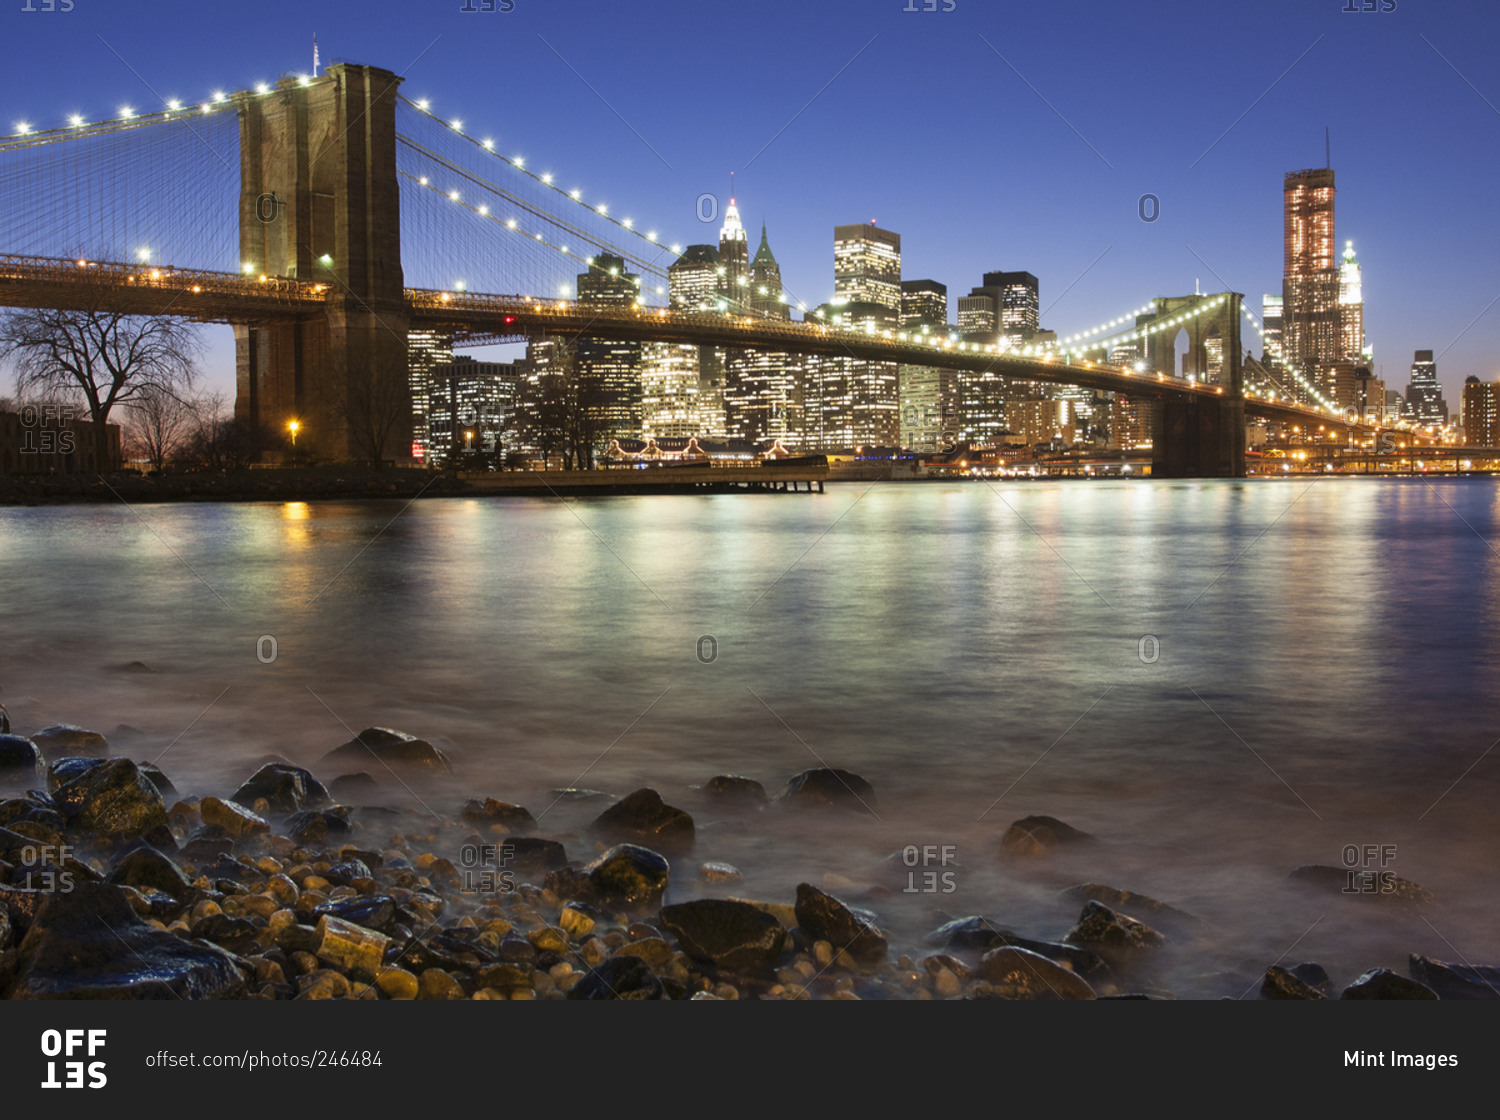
x: 1481, y: 412
x: 1351, y: 308
x: 1310, y: 277
x: 693, y: 279
x: 1270, y: 324
x: 471, y: 396
x: 924, y: 303
x: 1424, y: 396
x: 1017, y: 303
x: 734, y: 262
x: 766, y: 296
x: 424, y: 351
x: 609, y: 376
x: 867, y: 268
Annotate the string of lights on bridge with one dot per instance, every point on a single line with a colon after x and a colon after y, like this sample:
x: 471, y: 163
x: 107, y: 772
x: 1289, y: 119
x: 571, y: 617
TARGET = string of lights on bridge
x: 488, y: 145
x: 482, y: 211
x: 174, y: 108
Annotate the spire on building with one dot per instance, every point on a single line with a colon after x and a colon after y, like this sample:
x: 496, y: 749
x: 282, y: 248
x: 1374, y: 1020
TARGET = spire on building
x: 763, y: 255
x: 315, y: 54
x: 733, y: 229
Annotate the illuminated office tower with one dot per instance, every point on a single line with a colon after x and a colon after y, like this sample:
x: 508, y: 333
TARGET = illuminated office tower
x: 424, y: 350
x: 766, y: 296
x: 1424, y: 396
x: 867, y: 268
x: 1481, y: 412
x: 1270, y: 325
x: 924, y: 303
x: 609, y: 373
x: 734, y: 262
x: 1311, y: 339
x: 1352, y: 308
x: 693, y: 279
x: 669, y: 391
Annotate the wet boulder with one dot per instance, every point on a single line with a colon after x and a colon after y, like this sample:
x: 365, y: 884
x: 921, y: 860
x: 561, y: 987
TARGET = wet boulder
x: 1039, y: 834
x: 645, y: 818
x: 89, y: 944
x: 1118, y: 938
x: 315, y: 826
x: 626, y: 977
x: 114, y: 800
x: 1159, y: 912
x: 232, y: 817
x: 63, y: 770
x: 497, y: 814
x: 395, y: 749
x: 4, y: 721
x: 70, y: 739
x: 1456, y: 981
x: 824, y: 918
x: 142, y: 866
x: 162, y: 783
x: 731, y: 791
x: 1013, y: 973
x: 627, y: 875
x: 980, y: 933
x: 527, y: 855
x: 1382, y: 983
x: 825, y: 787
x: 733, y: 936
x: 1383, y: 885
x: 284, y: 789
x: 1282, y: 983
x: 21, y: 766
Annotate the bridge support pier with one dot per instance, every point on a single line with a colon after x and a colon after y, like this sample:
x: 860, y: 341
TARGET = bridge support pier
x: 1199, y: 439
x: 319, y: 201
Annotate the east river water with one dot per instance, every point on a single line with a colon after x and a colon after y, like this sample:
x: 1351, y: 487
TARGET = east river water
x: 1221, y: 681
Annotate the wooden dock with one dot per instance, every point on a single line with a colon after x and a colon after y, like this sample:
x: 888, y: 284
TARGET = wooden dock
x: 799, y: 476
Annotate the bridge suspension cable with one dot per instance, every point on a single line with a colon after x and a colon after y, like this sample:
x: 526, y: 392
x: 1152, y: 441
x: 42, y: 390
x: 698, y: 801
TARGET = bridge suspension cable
x: 537, y: 236
x: 158, y: 188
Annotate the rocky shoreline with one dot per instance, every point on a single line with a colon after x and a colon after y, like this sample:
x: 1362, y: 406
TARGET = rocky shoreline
x: 113, y: 885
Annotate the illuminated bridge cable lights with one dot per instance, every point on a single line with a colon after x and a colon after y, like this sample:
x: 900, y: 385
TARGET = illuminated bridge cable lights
x: 1277, y: 353
x: 511, y: 224
x: 519, y: 163
x: 445, y: 168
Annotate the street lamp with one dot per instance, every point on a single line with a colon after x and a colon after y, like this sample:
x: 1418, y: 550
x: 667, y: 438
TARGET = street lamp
x: 293, y: 427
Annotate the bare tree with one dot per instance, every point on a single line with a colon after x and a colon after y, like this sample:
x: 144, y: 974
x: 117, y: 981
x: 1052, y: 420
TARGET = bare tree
x: 160, y: 423
x: 218, y: 441
x: 106, y: 357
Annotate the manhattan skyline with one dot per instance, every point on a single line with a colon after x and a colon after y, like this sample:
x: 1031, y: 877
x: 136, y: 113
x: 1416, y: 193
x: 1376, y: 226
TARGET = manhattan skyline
x: 989, y: 141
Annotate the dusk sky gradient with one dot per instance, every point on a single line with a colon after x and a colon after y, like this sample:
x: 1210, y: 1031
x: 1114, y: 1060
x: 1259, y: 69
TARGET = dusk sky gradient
x: 842, y: 113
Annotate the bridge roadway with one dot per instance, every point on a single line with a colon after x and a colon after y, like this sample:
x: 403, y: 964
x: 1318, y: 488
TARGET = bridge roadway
x: 227, y: 297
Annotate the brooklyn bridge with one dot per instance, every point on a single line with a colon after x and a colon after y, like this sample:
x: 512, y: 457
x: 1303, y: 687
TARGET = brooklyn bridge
x: 327, y: 217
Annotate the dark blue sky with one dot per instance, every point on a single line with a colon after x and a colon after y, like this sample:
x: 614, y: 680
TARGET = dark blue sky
x: 1035, y: 160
